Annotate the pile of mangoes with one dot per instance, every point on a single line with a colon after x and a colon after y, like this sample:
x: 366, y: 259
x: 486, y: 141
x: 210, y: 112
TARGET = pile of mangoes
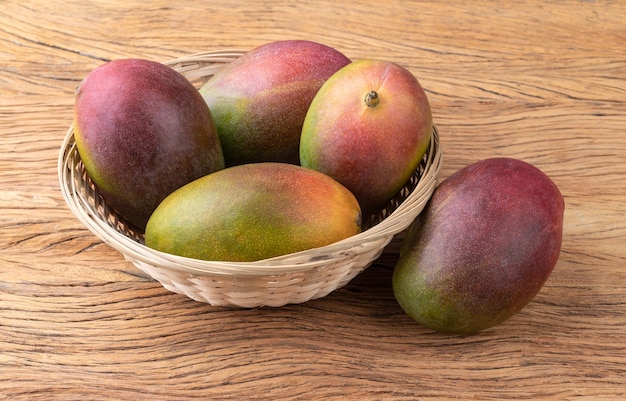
x: 267, y: 137
x: 286, y: 147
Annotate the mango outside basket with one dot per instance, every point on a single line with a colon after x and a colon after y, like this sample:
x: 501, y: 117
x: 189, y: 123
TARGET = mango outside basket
x: 288, y: 279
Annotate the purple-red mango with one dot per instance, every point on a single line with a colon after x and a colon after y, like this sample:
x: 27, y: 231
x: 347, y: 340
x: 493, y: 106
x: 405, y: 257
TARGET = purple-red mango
x: 142, y: 131
x: 368, y: 127
x: 259, y: 101
x: 482, y: 248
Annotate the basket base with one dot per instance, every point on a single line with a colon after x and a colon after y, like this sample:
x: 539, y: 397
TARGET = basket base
x: 258, y: 291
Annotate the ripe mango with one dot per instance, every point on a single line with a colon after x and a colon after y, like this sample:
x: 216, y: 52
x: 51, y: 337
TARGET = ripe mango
x: 482, y: 248
x: 368, y: 127
x: 142, y: 130
x: 259, y: 100
x: 252, y: 212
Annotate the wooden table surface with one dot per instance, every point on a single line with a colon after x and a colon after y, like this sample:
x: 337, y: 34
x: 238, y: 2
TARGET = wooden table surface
x: 541, y: 81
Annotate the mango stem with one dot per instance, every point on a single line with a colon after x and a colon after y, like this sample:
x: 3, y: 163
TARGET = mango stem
x: 371, y: 99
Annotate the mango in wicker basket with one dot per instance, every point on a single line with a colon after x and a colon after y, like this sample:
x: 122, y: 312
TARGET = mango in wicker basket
x: 142, y: 131
x: 368, y: 127
x: 483, y: 247
x: 252, y: 212
x: 259, y: 100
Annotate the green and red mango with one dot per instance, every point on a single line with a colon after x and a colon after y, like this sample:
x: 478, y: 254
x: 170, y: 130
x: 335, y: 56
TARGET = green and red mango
x: 259, y: 101
x: 482, y: 248
x: 368, y: 127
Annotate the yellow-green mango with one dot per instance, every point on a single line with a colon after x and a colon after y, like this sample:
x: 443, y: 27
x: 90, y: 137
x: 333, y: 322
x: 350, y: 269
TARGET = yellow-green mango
x: 253, y: 212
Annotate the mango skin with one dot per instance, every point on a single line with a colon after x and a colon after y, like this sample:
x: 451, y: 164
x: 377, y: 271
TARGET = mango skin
x: 142, y: 131
x: 253, y: 212
x: 259, y: 100
x: 482, y: 248
x: 373, y: 151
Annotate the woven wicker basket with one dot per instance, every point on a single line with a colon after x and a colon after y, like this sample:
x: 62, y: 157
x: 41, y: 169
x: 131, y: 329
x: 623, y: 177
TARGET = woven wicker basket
x: 293, y: 278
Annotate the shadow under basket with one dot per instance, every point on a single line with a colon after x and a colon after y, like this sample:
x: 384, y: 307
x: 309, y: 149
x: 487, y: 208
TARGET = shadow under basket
x: 287, y: 279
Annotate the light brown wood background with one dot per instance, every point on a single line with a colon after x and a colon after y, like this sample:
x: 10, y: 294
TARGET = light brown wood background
x: 541, y: 81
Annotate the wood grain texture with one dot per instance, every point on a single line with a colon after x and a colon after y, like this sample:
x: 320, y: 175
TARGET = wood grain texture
x: 541, y: 81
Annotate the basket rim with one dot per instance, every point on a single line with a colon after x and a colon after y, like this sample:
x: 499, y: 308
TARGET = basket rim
x: 314, y: 258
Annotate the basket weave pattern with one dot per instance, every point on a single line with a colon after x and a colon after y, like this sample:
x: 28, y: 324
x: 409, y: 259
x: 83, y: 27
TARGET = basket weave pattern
x: 293, y: 278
